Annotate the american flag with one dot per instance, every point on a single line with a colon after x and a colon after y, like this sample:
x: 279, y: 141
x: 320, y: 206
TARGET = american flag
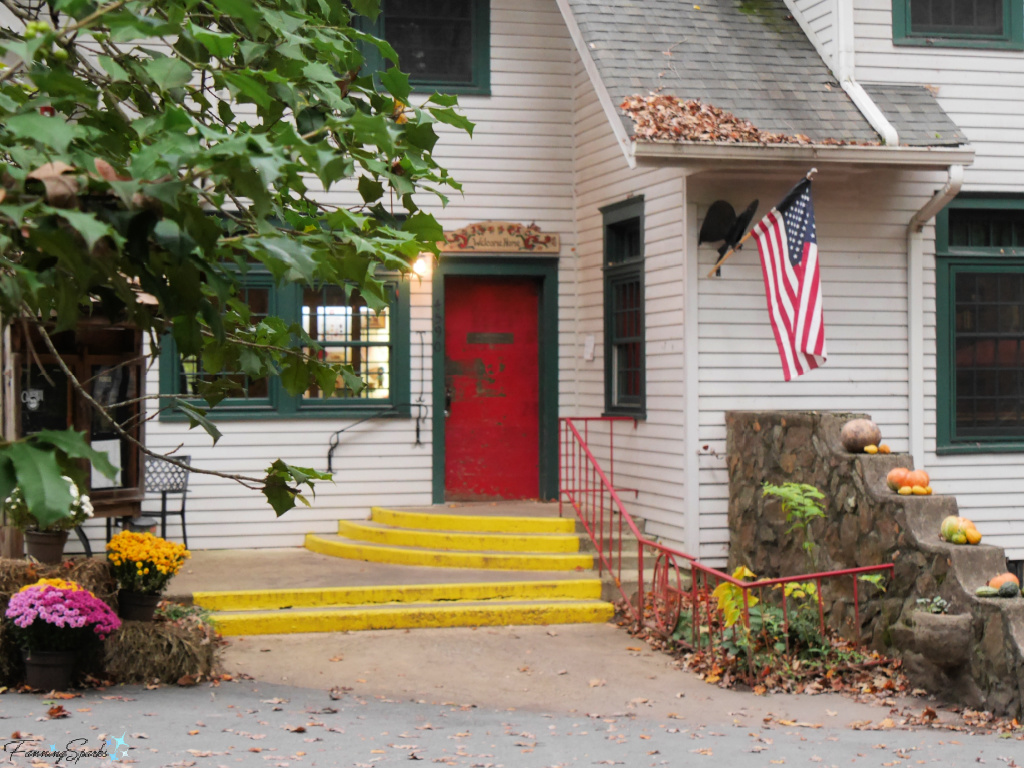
x: 788, y: 245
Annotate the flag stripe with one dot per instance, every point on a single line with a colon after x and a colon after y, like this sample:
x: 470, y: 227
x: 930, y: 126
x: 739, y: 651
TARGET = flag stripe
x: 787, y: 243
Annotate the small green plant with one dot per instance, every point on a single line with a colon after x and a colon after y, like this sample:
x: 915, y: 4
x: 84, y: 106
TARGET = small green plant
x: 730, y: 596
x: 800, y: 503
x: 932, y: 605
x: 876, y: 579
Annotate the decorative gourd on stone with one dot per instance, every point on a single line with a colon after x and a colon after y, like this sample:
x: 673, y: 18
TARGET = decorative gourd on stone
x: 959, y: 530
x: 858, y: 434
x: 996, y: 582
x: 908, y: 482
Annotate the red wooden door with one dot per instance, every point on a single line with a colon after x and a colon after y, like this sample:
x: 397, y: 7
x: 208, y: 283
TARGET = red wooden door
x: 492, y: 431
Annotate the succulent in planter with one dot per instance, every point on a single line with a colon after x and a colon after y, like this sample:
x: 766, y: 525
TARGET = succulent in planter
x: 932, y: 605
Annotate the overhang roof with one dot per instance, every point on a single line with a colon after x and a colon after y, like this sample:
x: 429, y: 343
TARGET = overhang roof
x: 749, y: 58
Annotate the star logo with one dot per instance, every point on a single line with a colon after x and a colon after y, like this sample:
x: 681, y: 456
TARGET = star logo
x: 117, y: 744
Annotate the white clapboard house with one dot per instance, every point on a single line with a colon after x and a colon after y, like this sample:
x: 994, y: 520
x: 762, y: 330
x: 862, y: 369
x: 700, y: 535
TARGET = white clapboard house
x: 596, y: 299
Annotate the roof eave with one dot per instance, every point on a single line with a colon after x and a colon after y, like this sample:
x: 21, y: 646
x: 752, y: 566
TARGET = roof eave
x: 661, y: 152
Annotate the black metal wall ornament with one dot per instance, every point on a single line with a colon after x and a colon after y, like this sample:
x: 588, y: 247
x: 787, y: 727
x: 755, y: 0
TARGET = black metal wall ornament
x: 722, y: 224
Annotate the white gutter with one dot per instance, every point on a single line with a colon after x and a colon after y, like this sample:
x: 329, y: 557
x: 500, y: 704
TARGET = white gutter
x: 915, y: 308
x: 716, y: 152
x: 611, y: 111
x: 842, y: 65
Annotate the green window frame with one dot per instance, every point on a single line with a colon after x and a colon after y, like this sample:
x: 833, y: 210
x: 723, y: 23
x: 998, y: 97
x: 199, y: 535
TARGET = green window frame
x: 625, y: 374
x: 979, y: 266
x: 465, y: 23
x: 998, y: 23
x: 380, y: 344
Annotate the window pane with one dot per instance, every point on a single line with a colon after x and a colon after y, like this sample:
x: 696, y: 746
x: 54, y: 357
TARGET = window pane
x: 351, y: 334
x: 989, y: 342
x: 434, y: 40
x: 986, y: 228
x: 627, y: 341
x: 957, y: 18
x: 623, y: 241
x: 192, y: 372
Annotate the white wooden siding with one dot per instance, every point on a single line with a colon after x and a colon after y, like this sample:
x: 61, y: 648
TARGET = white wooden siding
x: 983, y: 92
x: 819, y: 16
x: 861, y: 225
x: 517, y: 167
x: 651, y: 458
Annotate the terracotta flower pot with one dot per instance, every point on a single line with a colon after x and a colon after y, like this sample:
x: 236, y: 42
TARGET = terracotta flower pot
x: 46, y: 546
x: 136, y: 606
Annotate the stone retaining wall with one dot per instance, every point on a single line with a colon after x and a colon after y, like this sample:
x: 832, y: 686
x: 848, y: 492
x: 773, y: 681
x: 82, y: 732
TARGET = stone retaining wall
x: 866, y: 524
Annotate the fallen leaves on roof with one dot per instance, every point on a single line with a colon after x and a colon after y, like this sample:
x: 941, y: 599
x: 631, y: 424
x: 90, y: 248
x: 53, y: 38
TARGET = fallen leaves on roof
x: 659, y: 117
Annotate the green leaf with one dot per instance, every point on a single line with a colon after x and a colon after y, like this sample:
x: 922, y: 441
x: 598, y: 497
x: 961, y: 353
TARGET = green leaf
x: 88, y: 226
x: 295, y: 376
x: 369, y: 189
x: 197, y: 418
x: 221, y: 45
x: 451, y: 117
x: 168, y: 72
x: 116, y: 71
x: 73, y: 444
x: 368, y: 8
x: 53, y: 131
x: 8, y: 479
x: 397, y: 82
x: 47, y: 494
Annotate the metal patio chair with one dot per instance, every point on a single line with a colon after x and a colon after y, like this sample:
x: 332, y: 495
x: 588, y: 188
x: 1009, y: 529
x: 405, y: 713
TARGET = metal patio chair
x: 165, y: 478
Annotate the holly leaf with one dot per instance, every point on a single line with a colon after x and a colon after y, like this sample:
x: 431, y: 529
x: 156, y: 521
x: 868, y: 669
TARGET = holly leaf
x: 47, y: 494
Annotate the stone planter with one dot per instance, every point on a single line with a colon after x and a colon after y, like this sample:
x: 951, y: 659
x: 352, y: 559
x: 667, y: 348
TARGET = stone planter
x: 943, y: 639
x: 49, y: 670
x: 46, y: 546
x: 136, y: 606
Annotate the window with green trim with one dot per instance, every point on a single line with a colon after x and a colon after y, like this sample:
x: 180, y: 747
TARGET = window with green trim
x: 374, y: 344
x: 980, y: 317
x: 444, y: 45
x: 625, y: 372
x: 959, y: 23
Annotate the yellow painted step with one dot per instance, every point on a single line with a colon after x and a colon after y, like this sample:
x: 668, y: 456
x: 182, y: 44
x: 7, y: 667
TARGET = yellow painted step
x: 439, y: 559
x: 430, y: 521
x: 318, y: 597
x: 448, y: 540
x: 417, y: 616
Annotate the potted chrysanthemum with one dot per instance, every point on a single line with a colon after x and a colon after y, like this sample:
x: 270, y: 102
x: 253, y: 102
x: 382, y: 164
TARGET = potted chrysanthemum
x: 45, y: 537
x: 143, y: 564
x: 52, y: 621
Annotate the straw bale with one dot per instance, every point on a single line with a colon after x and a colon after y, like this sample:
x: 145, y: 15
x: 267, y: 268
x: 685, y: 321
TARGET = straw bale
x: 161, y: 651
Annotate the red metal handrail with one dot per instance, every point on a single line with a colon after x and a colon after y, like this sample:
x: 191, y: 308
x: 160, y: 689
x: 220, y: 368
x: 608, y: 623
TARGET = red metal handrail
x: 599, y: 508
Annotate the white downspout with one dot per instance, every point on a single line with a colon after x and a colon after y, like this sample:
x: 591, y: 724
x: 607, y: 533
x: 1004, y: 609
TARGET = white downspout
x: 915, y: 308
x: 842, y: 64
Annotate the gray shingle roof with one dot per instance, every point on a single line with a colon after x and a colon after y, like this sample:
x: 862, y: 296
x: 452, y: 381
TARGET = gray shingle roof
x: 916, y: 115
x: 745, y: 56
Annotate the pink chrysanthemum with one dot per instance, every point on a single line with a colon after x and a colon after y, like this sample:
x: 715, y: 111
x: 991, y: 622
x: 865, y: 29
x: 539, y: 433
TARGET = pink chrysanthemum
x: 51, y: 617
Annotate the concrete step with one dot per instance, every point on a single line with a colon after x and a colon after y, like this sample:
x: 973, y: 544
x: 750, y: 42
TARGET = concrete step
x: 338, y: 546
x: 476, y: 519
x: 413, y: 616
x: 330, y: 597
x: 386, y: 533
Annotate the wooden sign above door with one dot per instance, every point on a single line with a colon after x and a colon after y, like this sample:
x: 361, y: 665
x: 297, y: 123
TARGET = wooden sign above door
x: 501, y: 237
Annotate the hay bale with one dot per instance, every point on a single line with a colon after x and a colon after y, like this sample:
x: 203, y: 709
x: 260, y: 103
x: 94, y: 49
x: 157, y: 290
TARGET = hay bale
x: 92, y: 573
x: 180, y: 643
x: 162, y: 651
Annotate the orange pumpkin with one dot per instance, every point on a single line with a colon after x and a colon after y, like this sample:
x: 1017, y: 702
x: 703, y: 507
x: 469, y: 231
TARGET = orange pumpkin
x: 918, y: 477
x: 1003, y: 578
x: 896, y: 477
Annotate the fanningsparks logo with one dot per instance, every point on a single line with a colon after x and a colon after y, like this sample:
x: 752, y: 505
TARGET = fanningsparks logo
x: 113, y: 749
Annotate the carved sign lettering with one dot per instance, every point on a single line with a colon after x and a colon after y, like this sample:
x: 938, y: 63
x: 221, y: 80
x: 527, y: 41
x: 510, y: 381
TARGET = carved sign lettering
x: 500, y: 237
